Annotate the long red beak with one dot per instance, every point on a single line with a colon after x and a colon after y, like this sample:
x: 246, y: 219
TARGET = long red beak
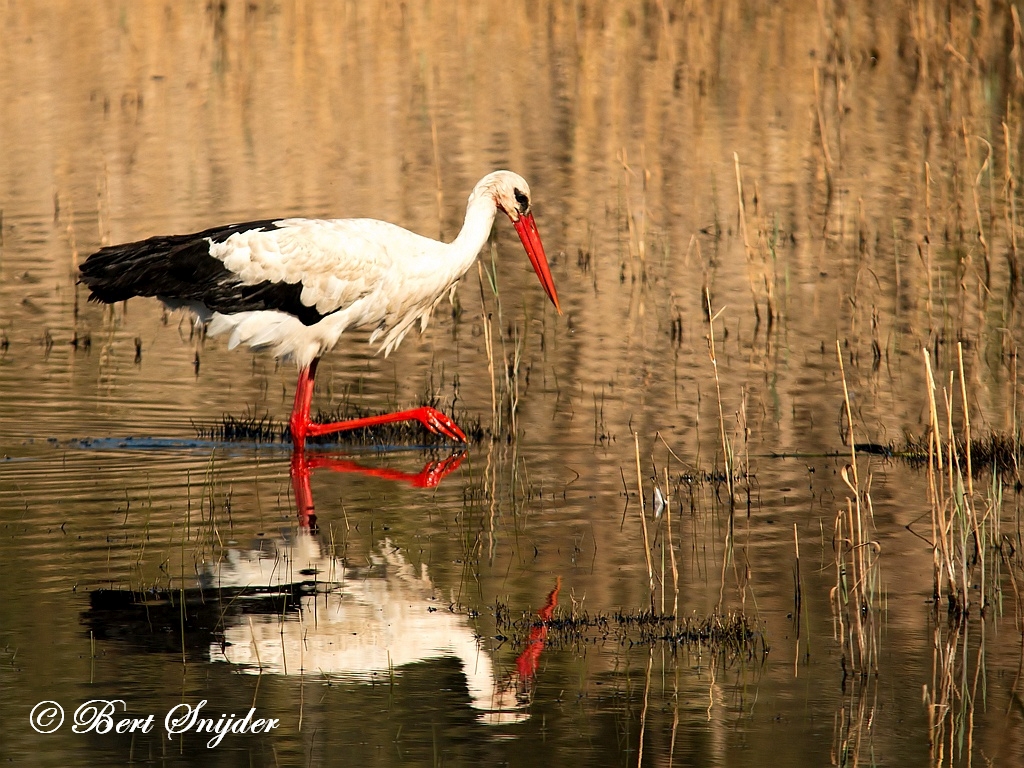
x: 527, y: 229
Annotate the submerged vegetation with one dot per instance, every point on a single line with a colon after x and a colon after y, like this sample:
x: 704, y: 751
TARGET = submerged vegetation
x: 733, y: 634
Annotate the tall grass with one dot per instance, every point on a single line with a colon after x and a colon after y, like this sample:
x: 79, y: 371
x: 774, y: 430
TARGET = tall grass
x: 856, y: 598
x: 965, y: 523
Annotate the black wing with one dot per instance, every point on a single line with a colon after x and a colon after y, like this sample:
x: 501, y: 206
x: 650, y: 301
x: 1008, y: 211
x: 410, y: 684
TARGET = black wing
x: 180, y: 267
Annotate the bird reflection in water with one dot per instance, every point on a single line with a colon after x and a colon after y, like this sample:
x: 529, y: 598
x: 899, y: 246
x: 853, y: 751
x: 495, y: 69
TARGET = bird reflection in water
x: 303, y: 464
x: 287, y: 605
x: 359, y: 623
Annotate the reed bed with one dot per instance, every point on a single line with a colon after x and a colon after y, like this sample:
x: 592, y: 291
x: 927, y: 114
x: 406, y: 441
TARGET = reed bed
x: 965, y: 522
x: 857, y: 598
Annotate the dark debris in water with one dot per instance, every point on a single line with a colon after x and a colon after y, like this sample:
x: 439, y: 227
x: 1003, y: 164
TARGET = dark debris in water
x: 995, y: 451
x: 732, y: 634
x: 252, y: 428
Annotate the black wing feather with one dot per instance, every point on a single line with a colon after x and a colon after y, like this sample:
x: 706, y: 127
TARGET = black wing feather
x: 180, y: 267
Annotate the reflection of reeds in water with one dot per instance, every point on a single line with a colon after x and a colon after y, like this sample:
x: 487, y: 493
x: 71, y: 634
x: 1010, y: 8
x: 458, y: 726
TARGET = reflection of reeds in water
x: 851, y: 729
x: 950, y: 698
x: 767, y: 239
x: 733, y: 636
x: 635, y: 217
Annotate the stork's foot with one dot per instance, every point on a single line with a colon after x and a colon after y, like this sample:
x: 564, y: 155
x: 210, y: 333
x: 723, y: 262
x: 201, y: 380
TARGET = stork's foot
x: 437, y: 422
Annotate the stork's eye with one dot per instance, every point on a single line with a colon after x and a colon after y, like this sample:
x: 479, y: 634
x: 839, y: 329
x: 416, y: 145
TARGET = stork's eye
x: 522, y: 200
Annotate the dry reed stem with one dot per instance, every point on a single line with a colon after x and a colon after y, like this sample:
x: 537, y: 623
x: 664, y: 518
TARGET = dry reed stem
x: 936, y: 439
x: 489, y: 346
x: 103, y: 206
x: 726, y: 448
x: 953, y: 476
x: 637, y: 229
x: 746, y: 239
x: 940, y: 525
x: 643, y: 519
x: 437, y: 176
x: 672, y: 556
x: 967, y: 419
x: 849, y: 413
x: 255, y: 644
x: 926, y: 251
x: 512, y: 381
x: 863, y: 556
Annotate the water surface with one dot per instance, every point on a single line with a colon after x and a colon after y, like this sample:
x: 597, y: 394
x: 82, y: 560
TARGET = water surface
x: 142, y: 563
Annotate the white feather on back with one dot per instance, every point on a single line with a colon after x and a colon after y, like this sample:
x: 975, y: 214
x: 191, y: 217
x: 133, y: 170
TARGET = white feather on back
x: 357, y: 272
x: 337, y: 261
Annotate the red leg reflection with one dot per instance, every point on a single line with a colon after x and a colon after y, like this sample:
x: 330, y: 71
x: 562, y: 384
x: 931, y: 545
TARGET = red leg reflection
x: 430, y: 476
x: 303, y: 493
x: 529, y: 659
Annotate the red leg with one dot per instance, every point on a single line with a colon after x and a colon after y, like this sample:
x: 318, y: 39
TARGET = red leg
x: 300, y: 422
x: 302, y: 426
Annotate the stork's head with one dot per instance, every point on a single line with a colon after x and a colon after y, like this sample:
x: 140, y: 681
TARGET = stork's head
x: 511, y: 194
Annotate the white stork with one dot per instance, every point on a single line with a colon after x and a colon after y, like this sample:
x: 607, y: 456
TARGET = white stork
x: 293, y: 286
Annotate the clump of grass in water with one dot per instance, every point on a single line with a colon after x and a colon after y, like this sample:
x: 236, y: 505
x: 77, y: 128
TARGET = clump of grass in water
x: 967, y: 547
x: 995, y: 451
x: 247, y: 428
x: 965, y: 533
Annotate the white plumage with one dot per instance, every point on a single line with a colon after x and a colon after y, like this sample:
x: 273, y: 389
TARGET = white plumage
x: 355, y: 272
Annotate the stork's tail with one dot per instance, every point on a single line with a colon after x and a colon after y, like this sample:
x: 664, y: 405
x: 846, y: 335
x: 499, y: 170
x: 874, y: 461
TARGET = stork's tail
x: 119, y: 272
x: 169, y: 266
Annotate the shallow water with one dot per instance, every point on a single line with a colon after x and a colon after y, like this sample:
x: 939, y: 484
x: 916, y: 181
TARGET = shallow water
x: 139, y: 562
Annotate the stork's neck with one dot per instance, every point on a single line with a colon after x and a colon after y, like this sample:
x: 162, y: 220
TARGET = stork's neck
x: 476, y: 229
